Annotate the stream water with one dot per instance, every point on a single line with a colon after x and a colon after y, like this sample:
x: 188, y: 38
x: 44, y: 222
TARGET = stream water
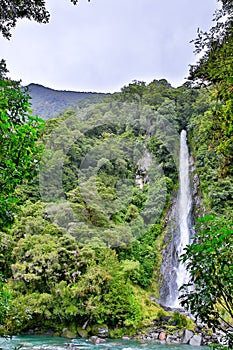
x: 55, y: 343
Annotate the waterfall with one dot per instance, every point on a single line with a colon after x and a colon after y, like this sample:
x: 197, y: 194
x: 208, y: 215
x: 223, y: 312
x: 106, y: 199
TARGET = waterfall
x: 184, y: 205
x: 174, y: 272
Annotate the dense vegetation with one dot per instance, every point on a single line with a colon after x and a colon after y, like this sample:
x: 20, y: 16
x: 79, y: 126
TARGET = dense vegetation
x: 211, y: 138
x: 84, y: 200
x: 211, y: 271
x: 87, y: 238
x: 20, y: 152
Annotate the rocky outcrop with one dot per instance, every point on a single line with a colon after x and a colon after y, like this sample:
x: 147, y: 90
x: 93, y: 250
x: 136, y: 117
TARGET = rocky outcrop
x: 198, y: 207
x: 143, y: 165
x: 169, y: 264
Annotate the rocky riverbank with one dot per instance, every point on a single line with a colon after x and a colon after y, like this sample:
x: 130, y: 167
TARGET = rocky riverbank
x: 197, y: 337
x: 186, y: 336
x: 170, y: 330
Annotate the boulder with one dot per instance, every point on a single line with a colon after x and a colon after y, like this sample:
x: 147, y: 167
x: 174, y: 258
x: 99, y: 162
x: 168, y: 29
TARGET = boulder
x: 195, y: 340
x: 165, y: 319
x: 101, y: 331
x: 187, y: 335
x: 154, y: 335
x: 83, y: 333
x: 67, y: 333
x: 172, y: 339
x: 162, y: 336
x: 96, y: 340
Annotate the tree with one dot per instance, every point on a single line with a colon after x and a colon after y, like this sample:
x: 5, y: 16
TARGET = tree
x: 209, y: 259
x: 12, y: 10
x: 216, y: 68
x: 213, y: 40
x: 134, y: 91
x: 19, y: 132
x: 4, y: 300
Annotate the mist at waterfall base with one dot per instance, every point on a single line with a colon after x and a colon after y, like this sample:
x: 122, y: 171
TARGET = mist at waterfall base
x: 174, y: 272
x: 55, y: 343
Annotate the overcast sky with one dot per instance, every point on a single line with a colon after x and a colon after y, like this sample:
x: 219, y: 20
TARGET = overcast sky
x: 103, y: 45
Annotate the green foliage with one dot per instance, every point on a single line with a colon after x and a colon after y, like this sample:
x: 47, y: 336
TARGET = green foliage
x: 210, y: 263
x: 83, y: 260
x: 41, y: 261
x: 63, y: 283
x: 143, y: 251
x: 181, y: 321
x: 215, y: 67
x: 209, y: 257
x: 216, y: 186
x: 20, y: 152
x: 164, y: 157
x: 124, y: 305
x: 6, y: 247
x: 134, y: 91
x: 57, y: 281
x: 4, y: 300
x: 84, y: 254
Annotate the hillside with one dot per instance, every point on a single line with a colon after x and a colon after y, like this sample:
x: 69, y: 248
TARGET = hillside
x: 83, y: 243
x: 49, y: 103
x: 86, y: 242
x: 116, y: 210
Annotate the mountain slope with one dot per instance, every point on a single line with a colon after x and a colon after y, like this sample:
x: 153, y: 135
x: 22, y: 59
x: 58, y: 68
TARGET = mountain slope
x: 49, y: 103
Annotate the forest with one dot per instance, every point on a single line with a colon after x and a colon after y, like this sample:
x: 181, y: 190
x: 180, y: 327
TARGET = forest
x: 85, y: 197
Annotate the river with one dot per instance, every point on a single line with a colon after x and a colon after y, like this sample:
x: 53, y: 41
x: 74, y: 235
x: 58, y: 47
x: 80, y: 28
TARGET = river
x: 55, y: 343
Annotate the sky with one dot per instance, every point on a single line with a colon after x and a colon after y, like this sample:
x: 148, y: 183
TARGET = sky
x: 103, y: 45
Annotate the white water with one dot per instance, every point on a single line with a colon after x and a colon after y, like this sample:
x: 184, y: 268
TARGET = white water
x: 184, y: 206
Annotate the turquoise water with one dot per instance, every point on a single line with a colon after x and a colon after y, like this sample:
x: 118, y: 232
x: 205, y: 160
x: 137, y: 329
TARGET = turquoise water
x: 53, y: 343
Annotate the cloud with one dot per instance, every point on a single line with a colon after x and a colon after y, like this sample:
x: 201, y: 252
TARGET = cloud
x: 102, y: 45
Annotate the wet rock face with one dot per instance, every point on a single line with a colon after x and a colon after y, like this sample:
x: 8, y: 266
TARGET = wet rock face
x: 198, y: 207
x: 170, y: 257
